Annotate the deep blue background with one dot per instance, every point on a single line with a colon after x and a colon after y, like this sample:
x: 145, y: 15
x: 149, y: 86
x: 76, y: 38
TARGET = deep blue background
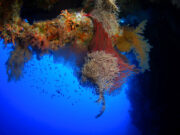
x: 49, y: 100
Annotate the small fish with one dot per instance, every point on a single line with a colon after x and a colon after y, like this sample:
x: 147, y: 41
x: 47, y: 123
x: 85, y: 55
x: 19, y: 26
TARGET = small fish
x: 58, y: 91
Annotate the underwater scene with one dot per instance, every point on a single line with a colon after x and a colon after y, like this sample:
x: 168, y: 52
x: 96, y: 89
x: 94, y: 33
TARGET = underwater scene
x: 88, y: 67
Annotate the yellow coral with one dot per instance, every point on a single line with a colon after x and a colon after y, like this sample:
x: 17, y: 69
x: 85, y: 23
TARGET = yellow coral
x: 132, y: 39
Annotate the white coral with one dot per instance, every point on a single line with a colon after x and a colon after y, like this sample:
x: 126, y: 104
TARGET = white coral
x: 102, y: 68
x: 105, y: 12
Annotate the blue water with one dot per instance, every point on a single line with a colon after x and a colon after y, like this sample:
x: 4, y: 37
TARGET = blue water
x: 49, y: 100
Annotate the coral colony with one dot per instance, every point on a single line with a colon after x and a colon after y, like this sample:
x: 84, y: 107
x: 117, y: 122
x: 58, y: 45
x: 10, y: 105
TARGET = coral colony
x: 96, y: 32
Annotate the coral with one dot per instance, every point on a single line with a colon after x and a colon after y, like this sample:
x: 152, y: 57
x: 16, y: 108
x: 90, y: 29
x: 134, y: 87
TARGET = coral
x: 66, y: 28
x: 37, y: 40
x: 107, y: 72
x: 15, y: 63
x: 132, y: 39
x: 104, y: 65
x: 103, y: 69
x: 11, y: 31
x: 105, y: 12
x: 78, y: 26
x: 109, y: 5
x: 102, y: 42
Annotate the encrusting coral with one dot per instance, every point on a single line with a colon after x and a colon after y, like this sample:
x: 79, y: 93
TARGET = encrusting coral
x: 97, y: 31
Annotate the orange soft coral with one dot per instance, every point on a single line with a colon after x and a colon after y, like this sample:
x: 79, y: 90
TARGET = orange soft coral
x: 75, y: 28
x: 133, y: 39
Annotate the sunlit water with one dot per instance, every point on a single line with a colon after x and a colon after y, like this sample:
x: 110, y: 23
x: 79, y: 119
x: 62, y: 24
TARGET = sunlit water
x: 49, y: 100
